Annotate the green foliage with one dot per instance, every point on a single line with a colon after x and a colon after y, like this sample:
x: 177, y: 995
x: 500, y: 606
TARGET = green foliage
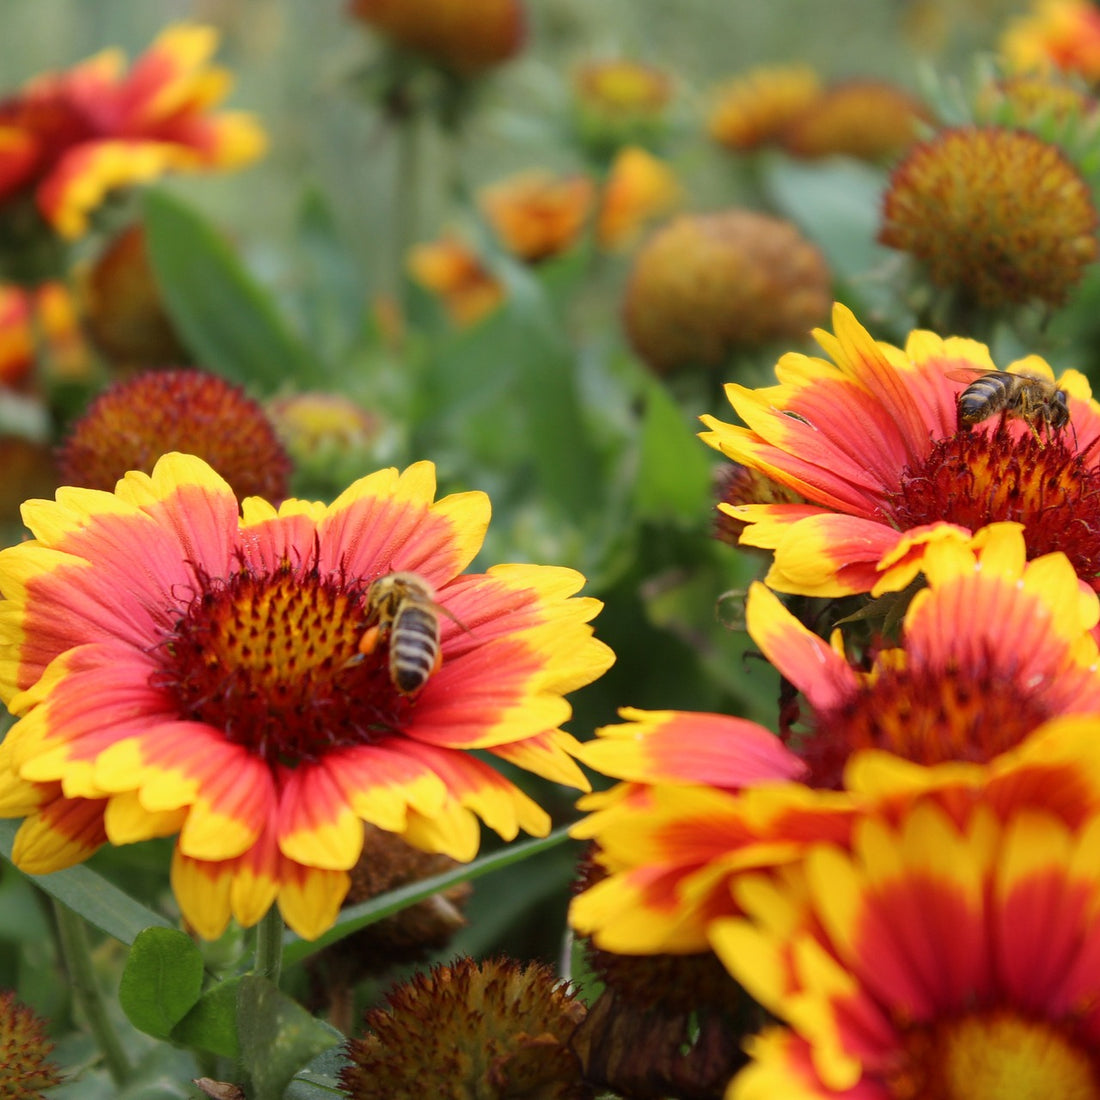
x: 162, y: 980
x: 227, y: 319
x: 277, y: 1036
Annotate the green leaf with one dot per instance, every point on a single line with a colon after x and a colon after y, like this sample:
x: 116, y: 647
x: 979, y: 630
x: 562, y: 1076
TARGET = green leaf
x: 278, y: 1037
x: 674, y: 470
x: 359, y: 916
x: 332, y: 284
x: 505, y: 393
x: 161, y: 981
x: 211, y: 1024
x: 91, y: 895
x: 225, y: 317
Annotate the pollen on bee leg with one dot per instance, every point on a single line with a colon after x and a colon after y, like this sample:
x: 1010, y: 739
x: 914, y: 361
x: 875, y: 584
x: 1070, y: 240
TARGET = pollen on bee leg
x: 369, y: 642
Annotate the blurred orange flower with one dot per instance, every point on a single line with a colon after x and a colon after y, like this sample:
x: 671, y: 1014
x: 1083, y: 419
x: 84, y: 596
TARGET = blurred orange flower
x: 466, y: 36
x: 868, y: 119
x: 639, y: 187
x: 123, y: 309
x: 451, y: 269
x: 538, y: 214
x: 50, y: 309
x: 754, y: 109
x: 1057, y: 34
x: 67, y: 139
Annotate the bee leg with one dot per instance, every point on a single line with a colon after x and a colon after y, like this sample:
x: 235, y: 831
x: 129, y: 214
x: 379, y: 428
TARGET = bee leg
x: 369, y: 642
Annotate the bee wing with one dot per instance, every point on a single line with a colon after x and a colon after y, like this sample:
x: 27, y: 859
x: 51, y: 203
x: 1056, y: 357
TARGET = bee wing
x: 968, y: 374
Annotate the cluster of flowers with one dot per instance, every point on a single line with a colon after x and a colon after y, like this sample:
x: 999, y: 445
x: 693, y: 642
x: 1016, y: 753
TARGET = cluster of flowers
x: 906, y: 878
x: 903, y: 874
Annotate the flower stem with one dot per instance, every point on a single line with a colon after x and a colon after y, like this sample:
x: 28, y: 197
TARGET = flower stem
x: 406, y: 199
x: 76, y: 951
x: 269, y: 945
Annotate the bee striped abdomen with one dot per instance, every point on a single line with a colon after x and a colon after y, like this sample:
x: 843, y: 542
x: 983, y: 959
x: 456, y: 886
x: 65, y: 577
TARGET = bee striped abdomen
x: 984, y: 397
x: 414, y: 646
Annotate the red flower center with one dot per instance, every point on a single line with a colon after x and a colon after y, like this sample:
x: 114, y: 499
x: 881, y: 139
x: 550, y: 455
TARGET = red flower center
x: 980, y: 477
x: 926, y: 715
x: 268, y: 659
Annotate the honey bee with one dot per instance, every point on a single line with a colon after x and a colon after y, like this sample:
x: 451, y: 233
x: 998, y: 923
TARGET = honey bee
x: 405, y: 613
x: 1035, y: 400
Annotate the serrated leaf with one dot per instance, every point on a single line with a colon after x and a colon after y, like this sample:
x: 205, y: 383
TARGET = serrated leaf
x: 211, y: 1024
x: 278, y: 1037
x: 224, y: 316
x: 83, y: 891
x: 161, y: 981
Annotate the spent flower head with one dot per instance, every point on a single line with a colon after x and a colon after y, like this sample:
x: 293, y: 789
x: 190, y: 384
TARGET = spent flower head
x: 706, y: 285
x: 25, y: 1068
x: 134, y: 422
x: 998, y: 215
x: 122, y: 307
x: 491, y: 1030
x: 870, y: 120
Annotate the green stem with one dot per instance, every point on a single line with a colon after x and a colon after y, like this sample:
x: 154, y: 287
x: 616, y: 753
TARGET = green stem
x: 76, y: 950
x: 269, y: 945
x: 406, y: 198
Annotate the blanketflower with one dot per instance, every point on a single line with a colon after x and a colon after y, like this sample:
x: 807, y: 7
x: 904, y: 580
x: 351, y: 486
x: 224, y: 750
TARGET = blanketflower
x: 183, y: 667
x: 1056, y: 34
x: 58, y: 341
x: 871, y: 442
x: 939, y: 955
x: 69, y: 138
x: 450, y: 268
x: 639, y: 188
x: 538, y: 214
x: 996, y: 659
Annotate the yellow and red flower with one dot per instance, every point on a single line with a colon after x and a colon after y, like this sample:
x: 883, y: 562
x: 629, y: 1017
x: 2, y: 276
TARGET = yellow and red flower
x: 1056, y: 34
x: 40, y: 325
x: 871, y: 442
x: 69, y: 138
x: 997, y: 657
x: 937, y: 955
x: 179, y: 667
